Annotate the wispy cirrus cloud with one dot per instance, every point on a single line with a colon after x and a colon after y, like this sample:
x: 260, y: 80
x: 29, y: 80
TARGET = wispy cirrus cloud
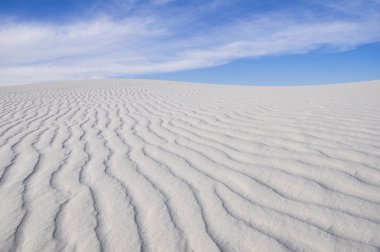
x: 164, y: 36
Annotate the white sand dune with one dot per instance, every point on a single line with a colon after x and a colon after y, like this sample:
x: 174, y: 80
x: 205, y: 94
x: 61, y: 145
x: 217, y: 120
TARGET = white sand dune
x: 138, y: 165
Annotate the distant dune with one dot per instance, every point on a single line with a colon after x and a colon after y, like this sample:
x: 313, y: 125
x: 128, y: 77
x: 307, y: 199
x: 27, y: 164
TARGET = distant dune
x: 141, y: 165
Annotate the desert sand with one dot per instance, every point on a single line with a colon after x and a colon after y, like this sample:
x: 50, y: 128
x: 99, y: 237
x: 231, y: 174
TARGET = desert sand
x: 141, y: 165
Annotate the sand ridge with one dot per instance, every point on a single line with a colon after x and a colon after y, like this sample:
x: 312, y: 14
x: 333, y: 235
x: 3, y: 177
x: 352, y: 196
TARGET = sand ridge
x: 141, y: 165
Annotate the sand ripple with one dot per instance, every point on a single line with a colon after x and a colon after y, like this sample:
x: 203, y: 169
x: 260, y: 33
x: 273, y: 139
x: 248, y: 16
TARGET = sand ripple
x: 136, y: 165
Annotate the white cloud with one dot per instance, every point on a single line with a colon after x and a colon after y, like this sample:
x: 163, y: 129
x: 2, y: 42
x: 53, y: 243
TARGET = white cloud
x: 140, y: 44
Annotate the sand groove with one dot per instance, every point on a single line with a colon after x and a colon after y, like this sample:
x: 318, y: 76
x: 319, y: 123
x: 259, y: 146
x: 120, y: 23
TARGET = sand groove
x: 136, y: 165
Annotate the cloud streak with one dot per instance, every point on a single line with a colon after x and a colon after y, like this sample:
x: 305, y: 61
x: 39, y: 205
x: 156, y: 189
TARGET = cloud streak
x: 147, y: 41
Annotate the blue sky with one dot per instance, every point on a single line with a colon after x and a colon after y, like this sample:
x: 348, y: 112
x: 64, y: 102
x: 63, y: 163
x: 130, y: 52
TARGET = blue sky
x: 271, y: 42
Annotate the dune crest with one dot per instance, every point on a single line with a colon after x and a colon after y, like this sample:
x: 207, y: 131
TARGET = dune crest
x: 141, y: 165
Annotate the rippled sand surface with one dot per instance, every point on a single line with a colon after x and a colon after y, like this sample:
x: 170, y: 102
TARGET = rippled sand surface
x: 140, y: 165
